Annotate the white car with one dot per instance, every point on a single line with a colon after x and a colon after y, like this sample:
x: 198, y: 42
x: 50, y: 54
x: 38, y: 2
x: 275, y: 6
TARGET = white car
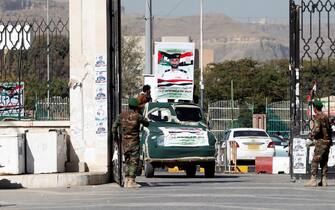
x: 250, y: 143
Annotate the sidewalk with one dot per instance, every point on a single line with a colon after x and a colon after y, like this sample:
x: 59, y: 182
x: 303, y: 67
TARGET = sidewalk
x: 52, y: 180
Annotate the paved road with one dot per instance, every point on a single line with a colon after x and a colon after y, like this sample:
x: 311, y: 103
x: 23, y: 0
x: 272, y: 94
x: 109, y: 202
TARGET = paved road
x: 174, y: 191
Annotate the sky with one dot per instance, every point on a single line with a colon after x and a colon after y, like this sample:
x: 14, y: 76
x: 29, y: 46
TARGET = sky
x: 239, y: 9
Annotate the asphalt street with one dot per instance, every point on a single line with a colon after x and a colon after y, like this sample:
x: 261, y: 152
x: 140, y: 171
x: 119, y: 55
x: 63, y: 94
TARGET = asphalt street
x: 175, y: 191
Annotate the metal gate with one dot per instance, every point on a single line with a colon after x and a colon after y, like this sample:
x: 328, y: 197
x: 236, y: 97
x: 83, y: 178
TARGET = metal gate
x: 312, y: 48
x: 34, y: 66
x: 224, y: 115
x: 278, y: 118
x: 114, y: 87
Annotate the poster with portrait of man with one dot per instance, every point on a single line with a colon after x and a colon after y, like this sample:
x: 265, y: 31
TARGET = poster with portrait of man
x: 174, y: 70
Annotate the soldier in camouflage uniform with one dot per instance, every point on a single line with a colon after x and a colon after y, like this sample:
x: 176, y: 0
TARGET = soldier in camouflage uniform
x: 129, y: 123
x: 321, y: 136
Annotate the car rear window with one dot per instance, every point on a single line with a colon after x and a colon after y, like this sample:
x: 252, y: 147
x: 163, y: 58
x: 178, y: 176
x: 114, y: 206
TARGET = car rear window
x: 189, y: 114
x: 250, y: 133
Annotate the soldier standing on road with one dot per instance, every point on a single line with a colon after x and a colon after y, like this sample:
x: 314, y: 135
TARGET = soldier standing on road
x: 129, y: 123
x: 321, y: 136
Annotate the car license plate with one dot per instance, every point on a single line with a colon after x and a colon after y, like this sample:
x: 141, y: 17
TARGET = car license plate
x: 253, y: 146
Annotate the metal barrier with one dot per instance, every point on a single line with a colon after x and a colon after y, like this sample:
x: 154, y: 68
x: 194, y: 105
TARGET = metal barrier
x: 57, y: 108
x: 233, y: 156
x: 224, y: 115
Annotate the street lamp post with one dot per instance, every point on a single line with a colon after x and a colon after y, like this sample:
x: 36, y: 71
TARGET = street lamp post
x: 148, y: 37
x: 201, y: 59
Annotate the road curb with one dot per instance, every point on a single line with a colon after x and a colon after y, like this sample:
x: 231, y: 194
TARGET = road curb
x: 53, y: 180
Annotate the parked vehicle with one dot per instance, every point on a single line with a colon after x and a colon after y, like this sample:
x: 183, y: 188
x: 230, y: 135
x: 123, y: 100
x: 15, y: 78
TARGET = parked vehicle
x: 250, y: 143
x: 177, y: 136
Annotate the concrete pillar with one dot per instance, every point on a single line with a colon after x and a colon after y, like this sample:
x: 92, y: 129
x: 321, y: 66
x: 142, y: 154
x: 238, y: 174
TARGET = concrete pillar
x: 88, y: 39
x: 259, y: 121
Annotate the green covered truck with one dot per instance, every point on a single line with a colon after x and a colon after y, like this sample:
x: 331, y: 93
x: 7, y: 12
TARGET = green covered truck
x: 177, y: 136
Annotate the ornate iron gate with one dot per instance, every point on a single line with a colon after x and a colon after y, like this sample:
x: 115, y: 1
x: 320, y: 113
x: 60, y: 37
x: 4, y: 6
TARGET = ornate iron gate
x: 312, y: 48
x: 34, y: 66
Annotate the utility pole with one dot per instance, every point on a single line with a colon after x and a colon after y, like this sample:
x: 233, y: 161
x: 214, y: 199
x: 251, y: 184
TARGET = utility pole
x: 201, y: 59
x: 232, y: 102
x: 48, y: 61
x: 148, y: 37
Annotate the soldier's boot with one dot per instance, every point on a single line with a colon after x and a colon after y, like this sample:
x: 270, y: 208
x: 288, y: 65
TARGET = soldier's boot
x: 323, y: 182
x: 311, y: 182
x: 126, y: 181
x: 132, y: 183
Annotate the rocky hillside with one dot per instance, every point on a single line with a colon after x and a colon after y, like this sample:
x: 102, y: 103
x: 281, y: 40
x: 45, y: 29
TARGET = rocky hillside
x: 228, y: 38
x: 12, y: 9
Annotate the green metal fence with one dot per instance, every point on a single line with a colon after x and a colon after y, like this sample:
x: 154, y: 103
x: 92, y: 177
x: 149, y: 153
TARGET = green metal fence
x: 224, y: 115
x: 278, y: 118
x: 58, y: 109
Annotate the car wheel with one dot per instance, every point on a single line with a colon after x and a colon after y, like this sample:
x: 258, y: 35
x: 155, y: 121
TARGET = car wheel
x: 210, y: 170
x: 149, y: 170
x: 191, y: 170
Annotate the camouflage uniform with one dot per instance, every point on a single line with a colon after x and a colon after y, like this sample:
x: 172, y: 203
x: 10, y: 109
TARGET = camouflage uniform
x: 320, y: 135
x: 130, y: 125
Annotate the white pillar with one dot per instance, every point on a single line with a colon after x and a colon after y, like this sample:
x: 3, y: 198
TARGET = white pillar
x: 88, y: 39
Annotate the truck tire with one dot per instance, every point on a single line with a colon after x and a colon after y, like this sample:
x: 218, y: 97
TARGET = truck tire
x: 210, y: 170
x: 149, y: 170
x: 191, y: 170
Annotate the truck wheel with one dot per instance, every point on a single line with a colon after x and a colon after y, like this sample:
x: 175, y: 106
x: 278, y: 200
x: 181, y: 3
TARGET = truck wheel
x: 191, y: 170
x: 210, y: 170
x: 149, y: 170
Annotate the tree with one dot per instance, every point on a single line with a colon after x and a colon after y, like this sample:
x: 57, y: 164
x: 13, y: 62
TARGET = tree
x: 253, y: 82
x: 132, y: 64
x: 30, y: 66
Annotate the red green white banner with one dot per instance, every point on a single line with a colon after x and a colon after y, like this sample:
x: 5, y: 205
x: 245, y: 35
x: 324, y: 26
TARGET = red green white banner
x: 174, y: 70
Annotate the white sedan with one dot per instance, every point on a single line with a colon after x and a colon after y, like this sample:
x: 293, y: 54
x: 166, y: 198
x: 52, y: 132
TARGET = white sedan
x: 250, y: 143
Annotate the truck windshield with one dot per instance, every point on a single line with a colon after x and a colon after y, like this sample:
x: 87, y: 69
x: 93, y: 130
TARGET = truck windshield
x: 190, y: 114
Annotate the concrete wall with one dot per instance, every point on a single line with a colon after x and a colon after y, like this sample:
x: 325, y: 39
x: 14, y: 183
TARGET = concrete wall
x: 19, y: 127
x: 88, y: 38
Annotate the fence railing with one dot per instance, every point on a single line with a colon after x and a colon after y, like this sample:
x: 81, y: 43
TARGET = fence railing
x: 57, y: 108
x: 34, y: 63
x: 224, y: 115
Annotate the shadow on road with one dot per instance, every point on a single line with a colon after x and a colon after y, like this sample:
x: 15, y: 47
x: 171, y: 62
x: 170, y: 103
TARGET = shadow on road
x: 200, y: 176
x: 182, y: 180
x: 6, y: 184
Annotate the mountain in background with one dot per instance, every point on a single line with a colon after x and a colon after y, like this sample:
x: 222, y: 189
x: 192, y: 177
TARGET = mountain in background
x: 230, y: 39
x: 11, y: 9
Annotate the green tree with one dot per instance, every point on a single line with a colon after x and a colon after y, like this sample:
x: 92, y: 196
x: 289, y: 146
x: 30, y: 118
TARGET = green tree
x: 30, y: 66
x: 132, y: 64
x: 253, y: 82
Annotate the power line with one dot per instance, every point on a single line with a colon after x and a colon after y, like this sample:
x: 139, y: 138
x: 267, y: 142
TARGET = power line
x: 174, y: 8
